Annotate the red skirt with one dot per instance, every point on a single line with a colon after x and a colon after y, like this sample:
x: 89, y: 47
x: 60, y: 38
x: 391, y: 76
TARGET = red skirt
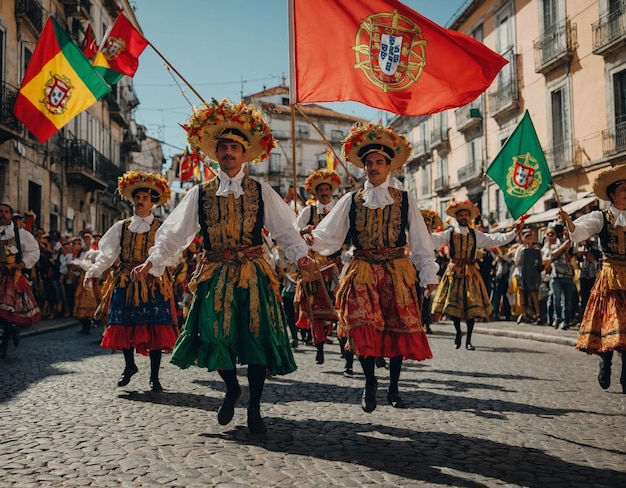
x: 381, y: 315
x: 142, y: 337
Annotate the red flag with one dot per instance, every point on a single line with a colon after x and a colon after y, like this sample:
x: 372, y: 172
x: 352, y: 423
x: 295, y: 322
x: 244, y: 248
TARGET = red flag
x: 90, y: 45
x: 120, y: 51
x: 59, y: 83
x: 186, y: 166
x: 385, y: 55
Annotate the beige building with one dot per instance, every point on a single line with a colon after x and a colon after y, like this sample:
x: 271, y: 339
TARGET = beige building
x: 567, y: 67
x: 310, y: 144
x: 70, y: 181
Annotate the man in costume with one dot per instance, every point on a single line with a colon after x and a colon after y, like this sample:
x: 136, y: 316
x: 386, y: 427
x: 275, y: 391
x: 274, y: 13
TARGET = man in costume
x: 19, y: 250
x: 462, y: 294
x: 603, y: 327
x: 314, y: 299
x: 377, y: 299
x: 141, y: 314
x: 235, y: 315
x: 433, y: 222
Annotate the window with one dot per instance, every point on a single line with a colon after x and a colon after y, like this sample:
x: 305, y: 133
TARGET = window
x: 559, y: 127
x: 619, y: 87
x: 302, y: 130
x: 424, y: 176
x: 336, y: 136
x: 1, y: 55
x: 275, y: 164
x: 504, y: 29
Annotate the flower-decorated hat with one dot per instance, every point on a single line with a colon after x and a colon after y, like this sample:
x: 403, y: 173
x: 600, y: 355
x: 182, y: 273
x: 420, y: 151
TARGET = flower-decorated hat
x: 240, y: 123
x: 432, y: 219
x: 154, y: 183
x: 454, y: 206
x: 365, y: 139
x: 607, y: 178
x: 320, y: 176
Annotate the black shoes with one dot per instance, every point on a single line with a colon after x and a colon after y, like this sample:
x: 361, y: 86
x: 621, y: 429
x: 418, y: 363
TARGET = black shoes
x: 457, y: 340
x: 255, y: 422
x: 469, y: 347
x: 319, y: 357
x: 368, y: 401
x: 155, y: 386
x: 227, y: 410
x: 395, y: 401
x: 381, y: 362
x: 127, y: 375
x: 604, y: 376
x: 348, y: 372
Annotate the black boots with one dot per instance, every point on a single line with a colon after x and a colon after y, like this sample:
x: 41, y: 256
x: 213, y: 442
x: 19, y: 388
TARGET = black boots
x: 86, y: 327
x: 319, y: 357
x: 368, y: 400
x: 129, y: 372
x: 604, y: 375
x: 227, y: 410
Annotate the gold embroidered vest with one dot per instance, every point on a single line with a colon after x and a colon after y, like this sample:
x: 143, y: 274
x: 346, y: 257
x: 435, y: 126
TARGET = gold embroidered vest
x: 382, y: 227
x: 229, y: 222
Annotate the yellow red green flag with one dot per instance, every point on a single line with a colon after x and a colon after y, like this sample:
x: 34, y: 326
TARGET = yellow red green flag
x: 58, y: 85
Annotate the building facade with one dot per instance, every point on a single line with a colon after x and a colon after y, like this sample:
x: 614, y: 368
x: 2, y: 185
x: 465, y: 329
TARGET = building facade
x: 70, y: 181
x: 567, y: 67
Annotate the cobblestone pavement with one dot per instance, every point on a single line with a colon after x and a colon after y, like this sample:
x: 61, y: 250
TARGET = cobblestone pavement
x: 515, y: 412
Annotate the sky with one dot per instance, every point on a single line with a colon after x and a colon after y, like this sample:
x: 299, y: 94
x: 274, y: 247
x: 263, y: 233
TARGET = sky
x: 224, y: 49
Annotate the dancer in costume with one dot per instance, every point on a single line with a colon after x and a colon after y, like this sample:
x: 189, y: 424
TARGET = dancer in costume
x: 377, y: 299
x: 462, y: 294
x: 141, y: 314
x: 315, y: 303
x: 18, y: 251
x: 603, y: 327
x: 235, y: 314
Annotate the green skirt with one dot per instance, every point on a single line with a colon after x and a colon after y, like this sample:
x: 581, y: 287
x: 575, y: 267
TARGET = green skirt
x: 222, y: 336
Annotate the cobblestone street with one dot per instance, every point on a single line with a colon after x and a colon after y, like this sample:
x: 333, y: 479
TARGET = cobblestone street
x: 514, y: 412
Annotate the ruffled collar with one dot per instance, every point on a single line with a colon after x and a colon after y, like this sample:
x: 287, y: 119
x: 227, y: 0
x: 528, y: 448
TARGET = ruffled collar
x: 620, y: 216
x: 140, y: 225
x: 230, y: 185
x: 377, y: 196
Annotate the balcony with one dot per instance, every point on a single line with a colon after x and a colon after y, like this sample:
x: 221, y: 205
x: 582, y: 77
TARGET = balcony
x: 130, y: 142
x: 469, y: 117
x: 281, y: 135
x: 559, y: 156
x: 614, y: 140
x: 10, y: 127
x: 421, y: 150
x: 31, y: 12
x: 438, y: 137
x: 117, y: 113
x: 609, y: 33
x: 470, y: 172
x: 88, y: 167
x: 555, y: 47
x: 442, y: 184
x: 79, y: 9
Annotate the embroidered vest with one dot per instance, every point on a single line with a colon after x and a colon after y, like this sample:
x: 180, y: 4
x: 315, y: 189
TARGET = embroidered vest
x: 135, y: 246
x: 612, y: 237
x: 463, y: 246
x: 314, y: 216
x: 11, y: 249
x: 229, y: 222
x: 382, y: 227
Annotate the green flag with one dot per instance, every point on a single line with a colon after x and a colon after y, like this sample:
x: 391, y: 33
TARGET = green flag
x: 520, y: 169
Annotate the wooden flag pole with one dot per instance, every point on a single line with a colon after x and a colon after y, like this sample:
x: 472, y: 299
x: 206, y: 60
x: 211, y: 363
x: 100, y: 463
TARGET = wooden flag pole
x: 293, y: 158
x: 350, y: 177
x: 176, y: 71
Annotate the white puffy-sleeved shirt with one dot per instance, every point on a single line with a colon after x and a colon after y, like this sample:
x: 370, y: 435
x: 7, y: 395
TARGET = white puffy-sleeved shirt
x: 305, y: 214
x: 330, y: 234
x: 590, y: 224
x: 28, y: 243
x: 109, y: 247
x: 483, y: 241
x: 179, y: 228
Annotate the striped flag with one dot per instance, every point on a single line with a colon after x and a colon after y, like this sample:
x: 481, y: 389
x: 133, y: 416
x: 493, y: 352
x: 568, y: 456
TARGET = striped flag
x: 120, y: 51
x: 58, y: 85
